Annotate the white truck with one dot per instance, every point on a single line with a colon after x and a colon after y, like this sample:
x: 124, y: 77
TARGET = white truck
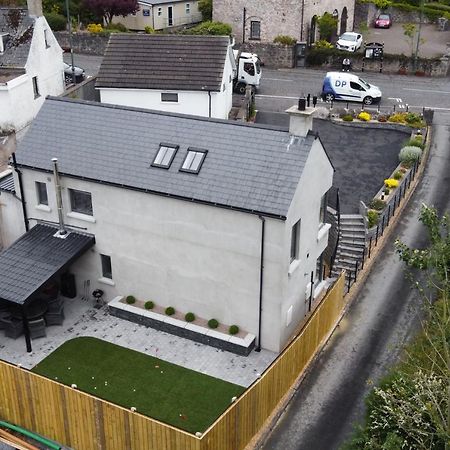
x: 246, y: 71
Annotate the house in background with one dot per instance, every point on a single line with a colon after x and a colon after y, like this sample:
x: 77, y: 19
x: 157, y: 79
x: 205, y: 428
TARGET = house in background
x: 161, y: 14
x: 174, y: 73
x: 31, y: 65
x: 262, y: 20
x: 220, y: 218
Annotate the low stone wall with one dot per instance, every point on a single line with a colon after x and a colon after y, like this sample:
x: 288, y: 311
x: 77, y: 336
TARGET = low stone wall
x: 83, y: 42
x: 271, y: 55
x: 84, y: 91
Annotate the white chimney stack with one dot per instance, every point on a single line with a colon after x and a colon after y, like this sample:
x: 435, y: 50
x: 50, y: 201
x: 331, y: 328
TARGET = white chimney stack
x: 34, y: 8
x: 300, y: 118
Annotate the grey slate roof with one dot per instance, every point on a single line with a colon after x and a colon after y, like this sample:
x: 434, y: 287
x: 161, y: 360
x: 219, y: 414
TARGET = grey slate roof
x: 20, y: 26
x: 7, y: 183
x: 35, y: 257
x: 161, y: 2
x: 178, y: 62
x: 253, y: 168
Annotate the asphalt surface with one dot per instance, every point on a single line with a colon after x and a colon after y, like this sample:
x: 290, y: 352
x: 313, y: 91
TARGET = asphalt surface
x: 370, y: 338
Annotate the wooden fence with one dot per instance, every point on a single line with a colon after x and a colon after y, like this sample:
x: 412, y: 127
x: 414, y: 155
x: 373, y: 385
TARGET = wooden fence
x: 84, y: 422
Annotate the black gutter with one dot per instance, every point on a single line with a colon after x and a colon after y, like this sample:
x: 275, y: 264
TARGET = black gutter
x: 22, y: 194
x: 261, y: 278
x: 209, y: 105
x: 162, y: 194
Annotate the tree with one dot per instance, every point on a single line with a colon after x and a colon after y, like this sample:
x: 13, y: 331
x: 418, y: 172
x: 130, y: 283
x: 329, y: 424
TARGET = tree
x: 205, y: 7
x: 110, y: 8
x: 327, y: 26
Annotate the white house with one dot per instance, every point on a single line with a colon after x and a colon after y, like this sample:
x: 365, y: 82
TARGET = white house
x: 31, y: 65
x: 223, y: 219
x: 175, y: 73
x: 161, y: 14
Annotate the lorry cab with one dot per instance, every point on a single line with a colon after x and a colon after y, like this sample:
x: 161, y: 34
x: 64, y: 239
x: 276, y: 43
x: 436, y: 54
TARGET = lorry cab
x: 248, y: 71
x: 349, y: 87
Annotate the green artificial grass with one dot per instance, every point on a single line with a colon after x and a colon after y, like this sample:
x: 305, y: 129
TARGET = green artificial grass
x: 180, y: 397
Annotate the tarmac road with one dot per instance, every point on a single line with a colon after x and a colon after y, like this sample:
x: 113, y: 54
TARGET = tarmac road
x: 368, y: 341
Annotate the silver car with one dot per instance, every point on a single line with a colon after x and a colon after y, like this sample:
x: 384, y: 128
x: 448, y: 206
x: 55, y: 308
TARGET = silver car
x: 79, y: 74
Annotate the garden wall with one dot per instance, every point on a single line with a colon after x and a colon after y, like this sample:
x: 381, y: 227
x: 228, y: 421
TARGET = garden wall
x: 272, y: 55
x: 83, y: 42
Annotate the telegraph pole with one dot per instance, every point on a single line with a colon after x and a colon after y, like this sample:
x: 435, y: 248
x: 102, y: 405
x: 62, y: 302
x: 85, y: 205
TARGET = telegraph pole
x: 416, y: 53
x: 69, y: 23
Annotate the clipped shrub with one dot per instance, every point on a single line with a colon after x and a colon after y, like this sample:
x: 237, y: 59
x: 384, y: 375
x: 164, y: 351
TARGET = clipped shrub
x: 397, y: 118
x: 391, y: 183
x: 323, y: 43
x: 398, y: 175
x: 57, y: 22
x: 116, y: 28
x: 386, y: 191
x: 170, y: 311
x: 347, y: 118
x: 411, y: 118
x: 211, y: 28
x: 377, y: 204
x: 213, y: 323
x: 318, y: 56
x: 372, y: 217
x: 189, y: 317
x: 149, y: 30
x: 410, y: 154
x: 94, y: 28
x: 234, y: 329
x: 284, y: 40
x: 149, y: 305
x: 130, y: 299
x: 415, y: 142
x: 364, y: 116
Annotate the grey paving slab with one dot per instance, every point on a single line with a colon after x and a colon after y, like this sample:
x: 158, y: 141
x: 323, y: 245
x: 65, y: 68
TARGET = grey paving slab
x: 82, y: 319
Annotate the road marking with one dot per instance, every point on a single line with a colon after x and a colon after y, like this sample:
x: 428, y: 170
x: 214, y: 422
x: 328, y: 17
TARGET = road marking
x: 399, y: 100
x: 426, y: 90
x: 277, y: 79
x: 275, y: 96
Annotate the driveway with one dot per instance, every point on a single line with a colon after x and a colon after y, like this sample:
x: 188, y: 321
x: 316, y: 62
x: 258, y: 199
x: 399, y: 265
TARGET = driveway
x: 395, y: 42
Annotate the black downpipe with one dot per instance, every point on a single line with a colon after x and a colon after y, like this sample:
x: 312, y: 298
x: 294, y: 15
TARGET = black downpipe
x: 209, y: 106
x: 22, y: 193
x: 261, y: 278
x: 301, y: 26
x: 26, y: 329
x: 338, y: 213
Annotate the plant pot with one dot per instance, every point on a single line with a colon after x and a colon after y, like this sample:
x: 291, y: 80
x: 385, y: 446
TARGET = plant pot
x: 402, y: 71
x: 420, y: 73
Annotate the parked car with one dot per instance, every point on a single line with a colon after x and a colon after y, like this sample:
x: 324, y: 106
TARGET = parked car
x: 383, y: 21
x: 349, y: 41
x: 349, y: 87
x: 79, y: 74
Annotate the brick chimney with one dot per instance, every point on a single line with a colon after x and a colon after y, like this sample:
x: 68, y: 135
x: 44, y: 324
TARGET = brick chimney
x: 34, y: 8
x: 300, y: 118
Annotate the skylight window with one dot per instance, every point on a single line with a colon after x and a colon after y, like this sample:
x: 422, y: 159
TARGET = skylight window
x: 165, y: 156
x: 193, y: 161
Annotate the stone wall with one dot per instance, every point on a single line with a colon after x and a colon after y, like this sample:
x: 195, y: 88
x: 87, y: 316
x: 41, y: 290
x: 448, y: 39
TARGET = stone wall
x: 83, y: 42
x: 271, y: 55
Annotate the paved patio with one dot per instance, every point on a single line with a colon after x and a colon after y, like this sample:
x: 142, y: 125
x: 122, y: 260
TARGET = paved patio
x: 82, y: 319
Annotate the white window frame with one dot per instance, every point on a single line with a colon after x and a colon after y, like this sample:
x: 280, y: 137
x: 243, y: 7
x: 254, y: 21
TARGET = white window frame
x: 188, y: 8
x: 168, y: 94
x: 159, y: 11
x: 39, y: 192
x: 193, y: 160
x: 165, y: 155
x: 76, y: 212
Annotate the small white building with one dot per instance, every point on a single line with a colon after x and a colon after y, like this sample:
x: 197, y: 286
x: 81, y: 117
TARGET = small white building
x: 223, y: 219
x: 174, y: 73
x: 161, y: 15
x: 31, y: 65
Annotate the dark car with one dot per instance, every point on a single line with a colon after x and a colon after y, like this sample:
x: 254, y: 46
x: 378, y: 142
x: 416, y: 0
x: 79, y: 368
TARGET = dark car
x: 79, y: 74
x: 383, y: 21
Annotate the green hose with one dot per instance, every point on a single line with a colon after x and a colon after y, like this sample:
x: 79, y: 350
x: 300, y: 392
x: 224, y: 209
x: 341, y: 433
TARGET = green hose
x: 36, y: 437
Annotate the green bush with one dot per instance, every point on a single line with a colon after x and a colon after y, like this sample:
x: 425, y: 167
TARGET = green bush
x: 170, y: 311
x: 323, y: 43
x: 213, y: 323
x: 285, y: 40
x: 327, y: 25
x: 410, y: 154
x: 57, y: 22
x: 149, y: 30
x: 416, y: 142
x: 234, y: 329
x: 116, y: 28
x: 319, y: 56
x: 189, y: 317
x: 212, y: 28
x: 377, y: 204
x: 386, y: 191
x: 131, y: 299
x: 398, y: 175
x: 438, y: 6
x: 372, y: 217
x: 347, y: 118
x: 149, y: 305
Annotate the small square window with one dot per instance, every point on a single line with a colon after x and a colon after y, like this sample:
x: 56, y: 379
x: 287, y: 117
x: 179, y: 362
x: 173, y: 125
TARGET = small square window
x: 193, y: 161
x: 146, y: 12
x: 188, y: 8
x: 255, y: 29
x: 169, y: 97
x: 295, y: 240
x: 106, y: 266
x: 81, y: 202
x: 41, y: 192
x: 165, y: 155
x: 36, y: 88
x: 159, y: 11
x: 47, y: 45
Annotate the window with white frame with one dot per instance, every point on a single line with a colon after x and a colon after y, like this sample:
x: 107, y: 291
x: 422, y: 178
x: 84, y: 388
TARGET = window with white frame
x: 36, y: 87
x: 159, y: 11
x: 165, y: 155
x: 47, y: 44
x: 106, y: 266
x: 188, y: 8
x: 193, y: 161
x: 41, y: 193
x: 81, y: 202
x: 295, y: 240
x: 255, y: 29
x: 169, y: 97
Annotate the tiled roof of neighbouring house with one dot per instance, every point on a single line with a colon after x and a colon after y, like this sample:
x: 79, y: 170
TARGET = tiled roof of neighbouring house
x: 15, y: 23
x: 178, y: 62
x: 7, y: 183
x: 253, y: 168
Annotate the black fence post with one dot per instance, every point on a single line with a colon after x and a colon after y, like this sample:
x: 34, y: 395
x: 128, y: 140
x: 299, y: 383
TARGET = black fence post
x: 349, y: 281
x: 395, y: 201
x: 356, y: 270
x: 389, y: 215
x: 363, y: 258
x: 370, y: 246
x: 409, y: 179
x: 382, y: 224
x: 376, y: 235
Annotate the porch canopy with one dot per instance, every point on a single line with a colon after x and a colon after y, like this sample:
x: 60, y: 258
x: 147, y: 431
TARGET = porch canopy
x: 35, y: 258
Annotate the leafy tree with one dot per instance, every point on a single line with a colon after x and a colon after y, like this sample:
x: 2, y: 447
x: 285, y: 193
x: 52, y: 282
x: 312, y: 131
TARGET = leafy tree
x: 327, y: 26
x: 205, y: 7
x: 109, y: 8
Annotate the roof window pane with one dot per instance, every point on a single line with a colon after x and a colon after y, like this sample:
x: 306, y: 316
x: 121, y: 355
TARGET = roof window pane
x: 165, y: 155
x: 193, y: 161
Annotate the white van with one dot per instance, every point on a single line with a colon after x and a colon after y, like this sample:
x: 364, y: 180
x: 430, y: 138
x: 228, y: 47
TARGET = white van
x: 348, y: 87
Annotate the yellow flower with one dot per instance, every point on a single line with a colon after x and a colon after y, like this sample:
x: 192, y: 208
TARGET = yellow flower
x: 391, y: 183
x: 364, y: 116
